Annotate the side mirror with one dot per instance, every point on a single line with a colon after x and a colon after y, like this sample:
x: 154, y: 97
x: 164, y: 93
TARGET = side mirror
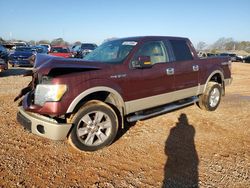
x: 142, y: 62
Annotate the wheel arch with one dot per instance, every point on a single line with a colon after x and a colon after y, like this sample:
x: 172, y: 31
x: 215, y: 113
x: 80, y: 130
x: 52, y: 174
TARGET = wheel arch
x: 216, y: 76
x: 102, y: 93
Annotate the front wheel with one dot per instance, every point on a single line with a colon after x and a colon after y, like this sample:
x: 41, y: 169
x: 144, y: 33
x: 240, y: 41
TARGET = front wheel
x: 95, y: 126
x: 211, y: 98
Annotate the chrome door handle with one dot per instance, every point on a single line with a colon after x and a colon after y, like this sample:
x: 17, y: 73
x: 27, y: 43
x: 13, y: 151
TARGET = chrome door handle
x: 195, y: 67
x: 170, y: 71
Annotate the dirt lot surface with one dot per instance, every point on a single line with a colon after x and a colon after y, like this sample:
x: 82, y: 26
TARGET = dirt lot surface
x: 185, y: 148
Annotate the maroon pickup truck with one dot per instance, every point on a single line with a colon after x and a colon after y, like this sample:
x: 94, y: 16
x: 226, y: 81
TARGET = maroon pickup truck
x: 125, y: 80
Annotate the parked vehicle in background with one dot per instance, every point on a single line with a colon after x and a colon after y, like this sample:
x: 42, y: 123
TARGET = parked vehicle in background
x: 20, y: 57
x: 47, y: 46
x: 19, y: 44
x: 125, y: 80
x: 61, y: 51
x: 3, y: 65
x: 246, y: 59
x: 84, y: 49
x: 75, y: 50
x: 40, y: 49
x: 206, y: 54
x: 4, y: 53
x: 230, y: 55
x: 238, y: 58
x: 209, y: 54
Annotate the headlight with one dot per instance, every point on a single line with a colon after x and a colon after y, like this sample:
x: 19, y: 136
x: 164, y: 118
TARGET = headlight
x: 49, y: 93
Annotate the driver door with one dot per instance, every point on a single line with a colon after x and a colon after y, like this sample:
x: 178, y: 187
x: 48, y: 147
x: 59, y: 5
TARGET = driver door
x: 150, y: 86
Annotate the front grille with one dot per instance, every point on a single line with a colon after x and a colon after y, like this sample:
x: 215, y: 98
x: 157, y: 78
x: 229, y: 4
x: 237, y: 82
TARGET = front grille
x: 26, y: 123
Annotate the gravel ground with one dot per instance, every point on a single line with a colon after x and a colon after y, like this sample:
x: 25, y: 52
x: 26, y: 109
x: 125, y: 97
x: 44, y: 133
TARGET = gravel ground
x: 184, y: 148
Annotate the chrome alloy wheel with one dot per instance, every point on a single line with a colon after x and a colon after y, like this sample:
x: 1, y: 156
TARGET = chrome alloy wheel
x: 214, y: 97
x: 94, y: 128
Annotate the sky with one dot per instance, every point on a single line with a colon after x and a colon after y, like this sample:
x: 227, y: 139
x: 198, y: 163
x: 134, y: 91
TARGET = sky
x: 97, y: 20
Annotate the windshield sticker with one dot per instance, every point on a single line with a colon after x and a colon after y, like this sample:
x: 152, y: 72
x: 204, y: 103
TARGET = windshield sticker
x: 130, y: 43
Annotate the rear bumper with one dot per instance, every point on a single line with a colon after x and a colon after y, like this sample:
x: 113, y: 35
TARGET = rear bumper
x: 43, y: 126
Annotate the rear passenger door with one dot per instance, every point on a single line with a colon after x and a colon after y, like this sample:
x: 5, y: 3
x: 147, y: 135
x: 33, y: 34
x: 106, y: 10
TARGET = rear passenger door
x: 186, y: 72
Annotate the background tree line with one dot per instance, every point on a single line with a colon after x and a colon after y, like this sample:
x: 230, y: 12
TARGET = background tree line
x: 222, y: 44
x: 225, y: 44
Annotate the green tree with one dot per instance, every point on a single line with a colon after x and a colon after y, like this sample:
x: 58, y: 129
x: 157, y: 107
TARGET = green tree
x: 220, y: 44
x: 201, y: 45
x: 44, y: 42
x: 59, y: 42
x: 77, y: 43
x: 109, y: 39
x: 32, y: 42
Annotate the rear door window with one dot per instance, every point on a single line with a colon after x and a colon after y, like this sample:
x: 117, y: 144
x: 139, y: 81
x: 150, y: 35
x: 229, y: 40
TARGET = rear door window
x: 181, y: 50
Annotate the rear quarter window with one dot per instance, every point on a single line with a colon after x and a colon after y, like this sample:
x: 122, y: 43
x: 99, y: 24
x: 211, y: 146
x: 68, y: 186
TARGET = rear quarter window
x: 181, y: 50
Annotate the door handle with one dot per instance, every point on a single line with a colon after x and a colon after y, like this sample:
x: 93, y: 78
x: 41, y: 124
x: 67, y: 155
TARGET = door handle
x: 195, y: 67
x: 170, y: 71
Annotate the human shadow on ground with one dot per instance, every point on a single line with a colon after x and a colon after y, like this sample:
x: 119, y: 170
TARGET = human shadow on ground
x: 181, y: 168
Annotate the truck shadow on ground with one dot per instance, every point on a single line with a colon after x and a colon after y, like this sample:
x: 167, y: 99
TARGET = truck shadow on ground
x: 122, y: 131
x: 15, y: 72
x: 181, y: 168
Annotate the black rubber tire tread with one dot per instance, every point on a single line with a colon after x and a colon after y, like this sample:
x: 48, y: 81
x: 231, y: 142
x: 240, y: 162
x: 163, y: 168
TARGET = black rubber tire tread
x: 204, y: 98
x: 87, y: 107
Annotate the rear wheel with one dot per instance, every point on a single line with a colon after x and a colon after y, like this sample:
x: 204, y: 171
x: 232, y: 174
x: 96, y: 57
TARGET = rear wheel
x: 95, y: 126
x: 210, y: 100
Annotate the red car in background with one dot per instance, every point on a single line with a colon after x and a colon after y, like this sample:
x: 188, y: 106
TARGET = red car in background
x: 61, y: 51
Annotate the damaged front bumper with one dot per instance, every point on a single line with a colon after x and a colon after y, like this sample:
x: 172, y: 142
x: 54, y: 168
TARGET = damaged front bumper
x: 42, y: 125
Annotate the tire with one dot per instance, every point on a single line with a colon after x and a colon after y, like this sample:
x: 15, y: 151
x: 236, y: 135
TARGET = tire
x: 95, y: 126
x: 211, y: 98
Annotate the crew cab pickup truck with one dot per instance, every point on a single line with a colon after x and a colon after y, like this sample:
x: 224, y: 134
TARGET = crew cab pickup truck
x: 125, y: 80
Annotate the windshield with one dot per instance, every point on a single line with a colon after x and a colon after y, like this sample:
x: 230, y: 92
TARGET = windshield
x: 111, y: 52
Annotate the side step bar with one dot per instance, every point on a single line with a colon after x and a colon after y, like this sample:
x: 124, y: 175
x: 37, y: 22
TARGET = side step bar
x: 162, y: 110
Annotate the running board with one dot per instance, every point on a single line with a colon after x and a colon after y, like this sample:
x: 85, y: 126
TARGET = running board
x: 162, y: 110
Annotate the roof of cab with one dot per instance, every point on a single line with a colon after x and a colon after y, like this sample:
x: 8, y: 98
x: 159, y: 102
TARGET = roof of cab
x: 142, y: 38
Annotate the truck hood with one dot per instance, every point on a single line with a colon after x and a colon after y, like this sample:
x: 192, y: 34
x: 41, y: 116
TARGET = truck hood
x: 54, y: 66
x: 51, y: 65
